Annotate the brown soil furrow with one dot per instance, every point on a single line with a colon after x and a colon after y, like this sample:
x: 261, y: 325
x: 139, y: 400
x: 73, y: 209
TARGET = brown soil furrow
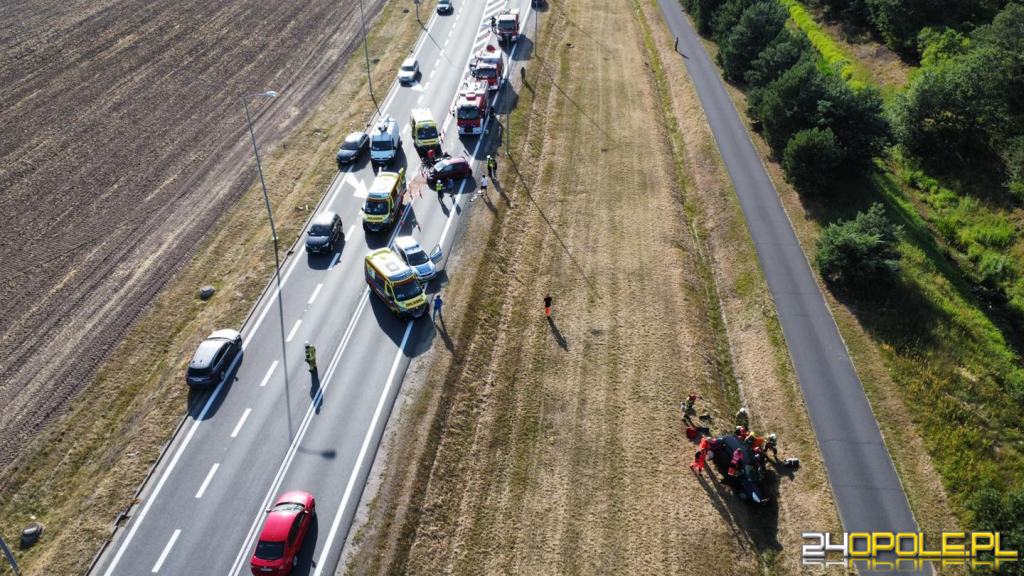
x: 112, y: 173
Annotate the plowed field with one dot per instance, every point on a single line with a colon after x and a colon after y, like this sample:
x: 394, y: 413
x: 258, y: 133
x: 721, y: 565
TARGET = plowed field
x: 123, y: 140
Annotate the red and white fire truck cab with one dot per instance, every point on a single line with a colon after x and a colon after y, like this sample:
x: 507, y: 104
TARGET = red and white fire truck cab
x: 488, y: 66
x: 508, y: 26
x: 472, y: 107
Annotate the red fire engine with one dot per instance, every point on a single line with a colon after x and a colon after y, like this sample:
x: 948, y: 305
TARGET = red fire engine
x: 489, y: 66
x: 472, y: 106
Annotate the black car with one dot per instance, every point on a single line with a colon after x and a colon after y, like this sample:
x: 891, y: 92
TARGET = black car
x: 449, y: 170
x: 324, y: 233
x: 748, y: 481
x: 213, y: 358
x: 445, y: 7
x: 352, y: 148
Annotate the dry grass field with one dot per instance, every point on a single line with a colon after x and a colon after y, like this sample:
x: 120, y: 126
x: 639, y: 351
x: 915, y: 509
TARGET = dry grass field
x: 528, y: 446
x: 123, y: 143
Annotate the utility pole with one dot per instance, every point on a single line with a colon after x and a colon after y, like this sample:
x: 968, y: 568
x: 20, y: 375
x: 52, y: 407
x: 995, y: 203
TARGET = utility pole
x: 417, y: 3
x: 366, y: 53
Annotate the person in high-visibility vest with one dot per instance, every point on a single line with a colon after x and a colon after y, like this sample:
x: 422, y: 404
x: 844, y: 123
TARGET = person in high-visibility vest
x: 311, y: 356
x: 492, y: 166
x: 439, y: 186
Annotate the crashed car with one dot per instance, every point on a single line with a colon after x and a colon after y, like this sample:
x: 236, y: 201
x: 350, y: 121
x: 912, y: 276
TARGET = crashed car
x: 748, y: 479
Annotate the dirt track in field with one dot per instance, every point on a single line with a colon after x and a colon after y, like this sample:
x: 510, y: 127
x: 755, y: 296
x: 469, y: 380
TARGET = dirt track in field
x: 123, y: 141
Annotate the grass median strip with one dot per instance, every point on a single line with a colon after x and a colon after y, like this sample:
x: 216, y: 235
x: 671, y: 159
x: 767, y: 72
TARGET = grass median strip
x: 528, y: 445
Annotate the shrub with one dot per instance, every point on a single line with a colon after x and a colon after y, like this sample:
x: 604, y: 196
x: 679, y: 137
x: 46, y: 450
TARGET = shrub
x: 856, y: 118
x: 780, y: 55
x: 860, y: 251
x: 757, y: 27
x: 702, y: 11
x: 790, y: 103
x: 811, y: 158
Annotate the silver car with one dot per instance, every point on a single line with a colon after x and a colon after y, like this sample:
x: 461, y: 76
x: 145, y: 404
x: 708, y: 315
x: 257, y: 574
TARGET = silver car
x: 410, y: 251
x: 409, y: 71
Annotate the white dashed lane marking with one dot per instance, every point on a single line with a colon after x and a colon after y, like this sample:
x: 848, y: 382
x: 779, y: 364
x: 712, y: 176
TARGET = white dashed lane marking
x: 294, y: 330
x: 167, y: 550
x: 270, y: 371
x: 241, y: 422
x: 209, y: 476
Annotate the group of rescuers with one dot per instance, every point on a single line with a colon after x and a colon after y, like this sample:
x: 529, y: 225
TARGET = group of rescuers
x: 759, y: 445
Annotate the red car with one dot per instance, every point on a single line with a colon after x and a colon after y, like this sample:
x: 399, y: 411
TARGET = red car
x: 449, y: 170
x: 288, y: 520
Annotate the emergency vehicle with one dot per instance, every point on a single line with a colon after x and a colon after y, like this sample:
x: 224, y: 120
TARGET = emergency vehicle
x: 385, y: 141
x: 425, y: 135
x: 472, y: 106
x: 384, y: 201
x: 508, y: 25
x: 489, y: 66
x: 394, y: 282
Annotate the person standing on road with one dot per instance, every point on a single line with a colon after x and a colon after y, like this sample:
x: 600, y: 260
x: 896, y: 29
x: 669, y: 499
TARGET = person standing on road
x: 439, y: 186
x: 492, y: 166
x: 547, y: 305
x: 311, y: 357
x: 438, y: 303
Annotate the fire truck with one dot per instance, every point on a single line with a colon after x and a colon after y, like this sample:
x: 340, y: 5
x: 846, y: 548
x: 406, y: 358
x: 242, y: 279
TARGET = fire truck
x: 508, y: 25
x: 472, y: 107
x: 489, y: 66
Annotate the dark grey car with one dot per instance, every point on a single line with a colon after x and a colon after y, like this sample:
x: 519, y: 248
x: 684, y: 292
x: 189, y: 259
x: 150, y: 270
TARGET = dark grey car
x: 324, y: 233
x: 352, y: 148
x: 213, y: 358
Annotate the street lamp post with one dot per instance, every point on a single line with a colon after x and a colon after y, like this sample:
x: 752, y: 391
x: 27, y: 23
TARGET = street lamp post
x: 366, y: 53
x: 263, y: 182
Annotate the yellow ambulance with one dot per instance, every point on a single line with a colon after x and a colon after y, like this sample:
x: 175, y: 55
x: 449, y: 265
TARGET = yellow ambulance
x: 384, y: 201
x: 394, y: 282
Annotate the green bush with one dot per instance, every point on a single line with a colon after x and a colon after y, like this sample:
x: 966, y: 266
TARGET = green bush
x: 780, y: 55
x: 789, y: 104
x: 860, y: 251
x: 757, y: 27
x: 811, y: 159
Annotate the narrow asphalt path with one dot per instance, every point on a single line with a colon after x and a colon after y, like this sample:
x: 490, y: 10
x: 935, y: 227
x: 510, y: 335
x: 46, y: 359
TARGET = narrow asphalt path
x: 866, y: 487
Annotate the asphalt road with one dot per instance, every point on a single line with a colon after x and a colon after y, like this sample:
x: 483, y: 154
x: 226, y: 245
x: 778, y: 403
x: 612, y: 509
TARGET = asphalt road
x: 269, y: 428
x: 864, y: 482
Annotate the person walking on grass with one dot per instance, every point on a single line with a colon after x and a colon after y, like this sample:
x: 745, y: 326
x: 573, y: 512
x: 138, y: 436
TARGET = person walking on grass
x: 483, y: 185
x: 438, y: 303
x: 547, y: 305
x: 492, y: 166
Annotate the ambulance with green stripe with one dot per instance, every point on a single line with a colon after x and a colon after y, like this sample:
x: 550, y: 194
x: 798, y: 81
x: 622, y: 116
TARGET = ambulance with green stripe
x: 425, y: 135
x: 394, y: 282
x: 384, y: 201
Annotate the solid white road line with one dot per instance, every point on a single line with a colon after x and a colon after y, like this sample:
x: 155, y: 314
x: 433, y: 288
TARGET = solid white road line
x: 316, y: 293
x: 295, y: 329
x: 167, y: 550
x: 362, y: 452
x: 213, y: 470
x: 241, y: 422
x: 348, y: 235
x: 266, y: 377
x: 170, y: 468
x: 337, y: 255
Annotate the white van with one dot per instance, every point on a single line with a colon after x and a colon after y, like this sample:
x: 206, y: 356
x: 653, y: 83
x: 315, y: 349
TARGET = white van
x: 385, y: 141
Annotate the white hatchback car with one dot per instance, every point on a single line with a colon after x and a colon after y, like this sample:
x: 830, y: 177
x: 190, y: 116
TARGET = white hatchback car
x: 410, y: 251
x: 409, y: 71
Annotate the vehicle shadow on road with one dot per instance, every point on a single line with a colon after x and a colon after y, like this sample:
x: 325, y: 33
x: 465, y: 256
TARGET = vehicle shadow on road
x: 753, y: 527
x: 305, y: 564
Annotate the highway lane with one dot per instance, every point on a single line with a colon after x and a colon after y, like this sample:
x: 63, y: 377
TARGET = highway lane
x: 867, y: 489
x: 271, y: 428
